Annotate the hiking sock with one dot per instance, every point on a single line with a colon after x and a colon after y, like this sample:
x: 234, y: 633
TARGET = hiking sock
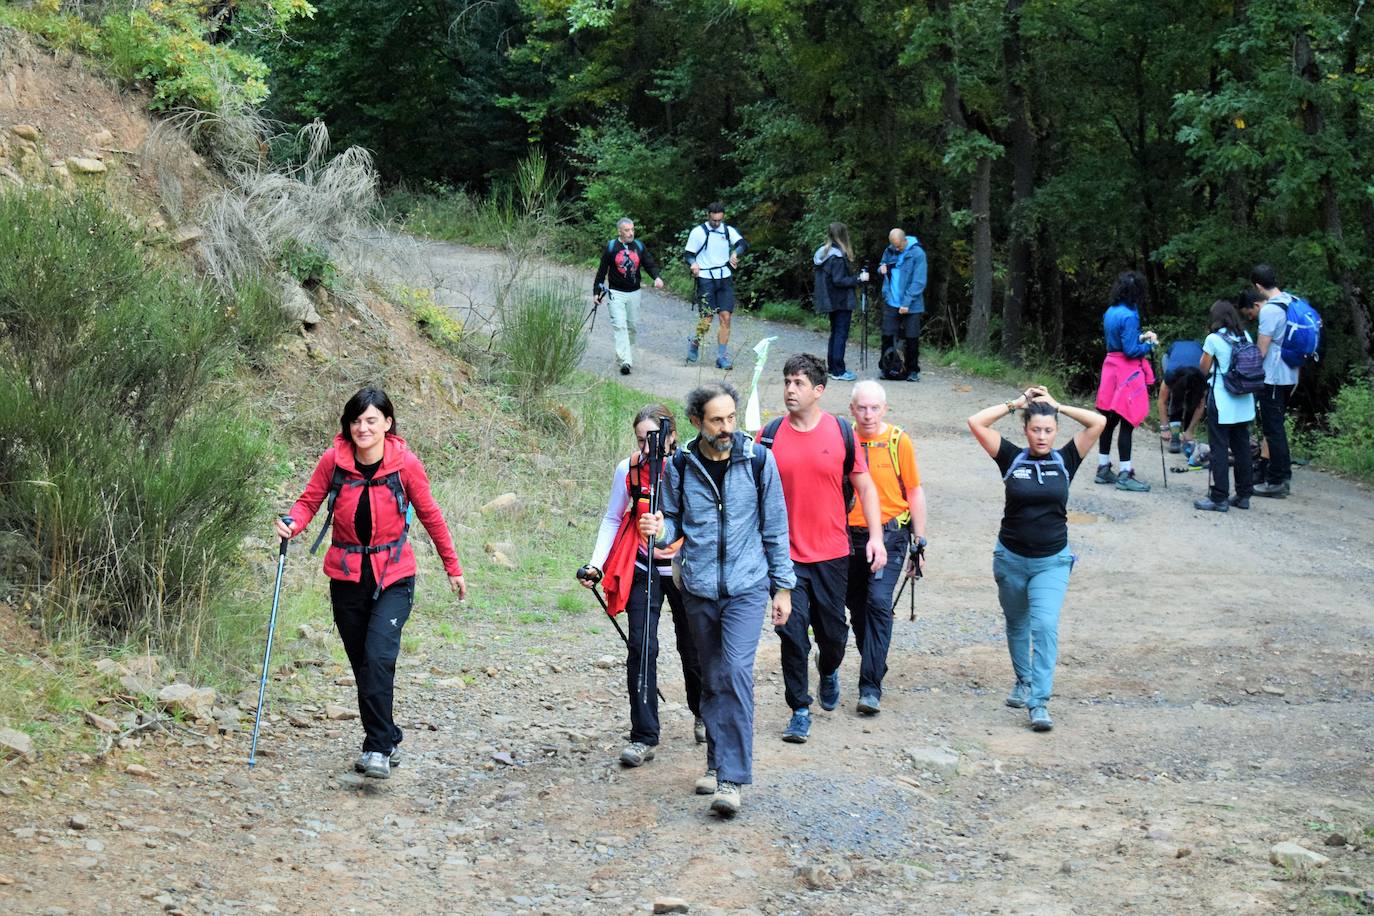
x: 1103, y: 460
x: 1126, y: 467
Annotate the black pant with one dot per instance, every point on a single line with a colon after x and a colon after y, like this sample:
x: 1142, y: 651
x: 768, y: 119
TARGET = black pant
x: 1186, y: 390
x: 1123, y: 444
x: 1273, y: 404
x: 371, y: 634
x: 1224, y: 438
x: 818, y: 603
x: 644, y: 726
x: 870, y: 603
x: 839, y: 337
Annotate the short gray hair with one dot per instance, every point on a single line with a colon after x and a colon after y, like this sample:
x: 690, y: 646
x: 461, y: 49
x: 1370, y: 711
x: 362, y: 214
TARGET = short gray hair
x: 623, y: 220
x: 870, y: 386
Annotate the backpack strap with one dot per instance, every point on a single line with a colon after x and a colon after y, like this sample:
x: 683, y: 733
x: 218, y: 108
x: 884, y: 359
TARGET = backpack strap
x: 847, y: 433
x: 769, y: 432
x: 336, y: 482
x: 1023, y: 458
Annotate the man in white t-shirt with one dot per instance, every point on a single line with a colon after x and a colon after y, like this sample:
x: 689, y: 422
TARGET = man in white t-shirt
x: 1280, y: 379
x: 712, y: 253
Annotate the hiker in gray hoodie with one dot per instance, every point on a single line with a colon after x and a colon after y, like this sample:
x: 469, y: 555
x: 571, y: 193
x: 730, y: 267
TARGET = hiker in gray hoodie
x: 722, y: 496
x: 835, y: 280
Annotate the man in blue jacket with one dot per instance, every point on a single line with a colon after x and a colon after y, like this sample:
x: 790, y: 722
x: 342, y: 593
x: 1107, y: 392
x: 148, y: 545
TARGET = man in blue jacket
x: 903, y: 268
x: 723, y: 497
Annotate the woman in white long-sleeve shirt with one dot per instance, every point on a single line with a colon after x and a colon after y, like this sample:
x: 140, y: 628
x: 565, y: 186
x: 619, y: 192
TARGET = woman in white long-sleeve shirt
x: 629, y: 494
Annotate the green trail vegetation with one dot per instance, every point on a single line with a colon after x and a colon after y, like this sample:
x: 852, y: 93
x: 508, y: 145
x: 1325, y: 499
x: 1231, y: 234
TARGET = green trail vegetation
x: 1036, y: 148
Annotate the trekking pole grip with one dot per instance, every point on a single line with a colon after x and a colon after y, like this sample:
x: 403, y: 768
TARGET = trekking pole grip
x: 288, y: 521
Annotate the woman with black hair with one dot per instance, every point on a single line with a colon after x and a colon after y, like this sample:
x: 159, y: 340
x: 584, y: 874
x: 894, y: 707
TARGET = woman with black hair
x: 1228, y: 415
x: 619, y: 561
x: 372, y: 480
x: 1031, y: 562
x: 835, y: 280
x: 1123, y: 394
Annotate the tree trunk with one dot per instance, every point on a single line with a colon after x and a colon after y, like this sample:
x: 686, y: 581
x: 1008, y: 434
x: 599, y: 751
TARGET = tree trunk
x: 1023, y: 181
x: 980, y: 314
x: 1314, y: 122
x: 951, y: 103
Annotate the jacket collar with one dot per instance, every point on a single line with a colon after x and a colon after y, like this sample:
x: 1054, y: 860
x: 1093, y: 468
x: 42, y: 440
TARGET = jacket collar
x: 393, y: 455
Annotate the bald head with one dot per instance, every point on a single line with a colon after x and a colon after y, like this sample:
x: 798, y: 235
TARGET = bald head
x: 868, y: 391
x: 868, y: 406
x: 898, y: 239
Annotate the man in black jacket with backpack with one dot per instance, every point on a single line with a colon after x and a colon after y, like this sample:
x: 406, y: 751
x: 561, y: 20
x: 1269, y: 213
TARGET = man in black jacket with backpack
x: 623, y: 260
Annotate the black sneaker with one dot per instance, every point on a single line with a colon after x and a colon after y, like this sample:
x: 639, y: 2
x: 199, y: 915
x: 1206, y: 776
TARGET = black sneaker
x: 1206, y: 504
x: 624, y: 368
x: 1240, y: 502
x: 1272, y: 490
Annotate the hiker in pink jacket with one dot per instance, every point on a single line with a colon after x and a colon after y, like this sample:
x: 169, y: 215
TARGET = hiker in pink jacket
x: 1123, y: 395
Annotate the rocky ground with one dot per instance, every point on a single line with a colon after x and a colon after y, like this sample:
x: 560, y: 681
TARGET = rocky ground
x: 1214, y: 699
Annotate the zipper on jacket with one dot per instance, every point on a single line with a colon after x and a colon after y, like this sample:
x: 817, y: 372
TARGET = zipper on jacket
x: 720, y: 521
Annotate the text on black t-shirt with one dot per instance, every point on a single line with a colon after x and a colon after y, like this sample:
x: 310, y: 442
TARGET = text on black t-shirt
x: 1035, y: 522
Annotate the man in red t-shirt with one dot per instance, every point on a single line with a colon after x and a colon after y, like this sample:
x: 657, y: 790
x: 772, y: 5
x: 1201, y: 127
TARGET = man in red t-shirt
x: 810, y: 448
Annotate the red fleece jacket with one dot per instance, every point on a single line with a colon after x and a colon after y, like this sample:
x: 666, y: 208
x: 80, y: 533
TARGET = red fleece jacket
x: 387, y: 521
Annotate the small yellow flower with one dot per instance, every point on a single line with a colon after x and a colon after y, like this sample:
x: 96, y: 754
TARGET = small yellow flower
x: 1240, y: 123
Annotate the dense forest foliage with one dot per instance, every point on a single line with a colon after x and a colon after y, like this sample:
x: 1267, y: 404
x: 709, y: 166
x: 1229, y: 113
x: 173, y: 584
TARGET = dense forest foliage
x: 1036, y: 147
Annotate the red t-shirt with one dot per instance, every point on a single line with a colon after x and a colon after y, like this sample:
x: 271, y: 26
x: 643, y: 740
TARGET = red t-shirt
x: 811, y: 466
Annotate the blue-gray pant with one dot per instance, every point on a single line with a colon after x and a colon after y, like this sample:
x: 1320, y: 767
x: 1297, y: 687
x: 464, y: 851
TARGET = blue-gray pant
x: 1031, y: 590
x: 726, y: 633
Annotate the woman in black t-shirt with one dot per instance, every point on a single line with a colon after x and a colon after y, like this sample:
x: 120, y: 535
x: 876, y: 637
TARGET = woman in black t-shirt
x: 1031, y: 562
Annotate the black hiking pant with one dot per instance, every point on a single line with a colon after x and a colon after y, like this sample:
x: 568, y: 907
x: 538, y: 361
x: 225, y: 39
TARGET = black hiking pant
x: 1235, y: 439
x: 817, y: 603
x: 870, y: 602
x: 1273, y: 405
x: 1123, y: 442
x: 644, y: 725
x: 371, y: 634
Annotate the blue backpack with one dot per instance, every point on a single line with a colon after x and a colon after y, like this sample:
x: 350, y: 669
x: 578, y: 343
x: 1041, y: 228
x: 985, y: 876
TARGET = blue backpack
x: 1302, y: 335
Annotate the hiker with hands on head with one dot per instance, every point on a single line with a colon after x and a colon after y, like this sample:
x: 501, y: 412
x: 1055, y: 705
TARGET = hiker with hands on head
x: 371, y: 481
x: 722, y: 496
x: 1032, y: 560
x: 620, y: 562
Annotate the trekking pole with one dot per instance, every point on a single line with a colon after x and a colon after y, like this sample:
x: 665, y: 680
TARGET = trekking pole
x: 913, y: 572
x: 863, y: 310
x: 585, y: 574
x: 658, y: 441
x: 267, y: 656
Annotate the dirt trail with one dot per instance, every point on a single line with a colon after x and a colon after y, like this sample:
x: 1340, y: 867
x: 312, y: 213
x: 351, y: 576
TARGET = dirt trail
x: 1214, y: 697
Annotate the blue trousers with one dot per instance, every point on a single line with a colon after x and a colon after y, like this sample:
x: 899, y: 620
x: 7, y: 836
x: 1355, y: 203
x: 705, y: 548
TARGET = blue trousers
x: 1031, y: 590
x: 839, y: 337
x: 726, y: 633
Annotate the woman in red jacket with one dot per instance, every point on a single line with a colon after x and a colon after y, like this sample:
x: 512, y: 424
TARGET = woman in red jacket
x: 372, y: 480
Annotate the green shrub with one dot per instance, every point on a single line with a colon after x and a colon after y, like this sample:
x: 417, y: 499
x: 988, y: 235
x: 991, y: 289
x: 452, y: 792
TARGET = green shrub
x: 134, y: 480
x: 1349, y: 446
x: 254, y: 311
x: 434, y: 321
x: 794, y: 313
x: 309, y: 264
x: 542, y: 335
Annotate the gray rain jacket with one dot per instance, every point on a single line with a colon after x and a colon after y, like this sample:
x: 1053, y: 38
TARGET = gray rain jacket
x: 727, y: 547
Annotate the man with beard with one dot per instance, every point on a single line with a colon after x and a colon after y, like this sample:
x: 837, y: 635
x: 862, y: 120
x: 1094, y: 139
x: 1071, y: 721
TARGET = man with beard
x: 722, y: 496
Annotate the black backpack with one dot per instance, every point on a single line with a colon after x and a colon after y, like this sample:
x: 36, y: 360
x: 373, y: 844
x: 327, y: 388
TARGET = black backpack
x: 891, y: 364
x: 770, y: 433
x: 392, y: 482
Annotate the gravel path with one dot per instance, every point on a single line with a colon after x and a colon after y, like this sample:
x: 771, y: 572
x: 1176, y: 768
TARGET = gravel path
x: 1214, y: 697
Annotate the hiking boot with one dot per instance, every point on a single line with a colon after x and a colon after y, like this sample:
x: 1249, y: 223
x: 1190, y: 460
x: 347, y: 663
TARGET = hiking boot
x: 868, y: 704
x: 1175, y: 447
x: 1105, y: 474
x: 376, y: 765
x: 394, y: 758
x: 699, y: 730
x: 1272, y: 490
x: 1207, y: 505
x: 1019, y: 696
x: 1240, y: 502
x: 845, y: 376
x: 693, y: 349
x: 1127, y: 481
x: 636, y: 754
x: 624, y: 368
x: 726, y: 801
x: 1040, y: 720
x: 799, y: 727
x: 914, y: 377
x: 724, y: 363
x: 830, y: 690
x: 706, y: 783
